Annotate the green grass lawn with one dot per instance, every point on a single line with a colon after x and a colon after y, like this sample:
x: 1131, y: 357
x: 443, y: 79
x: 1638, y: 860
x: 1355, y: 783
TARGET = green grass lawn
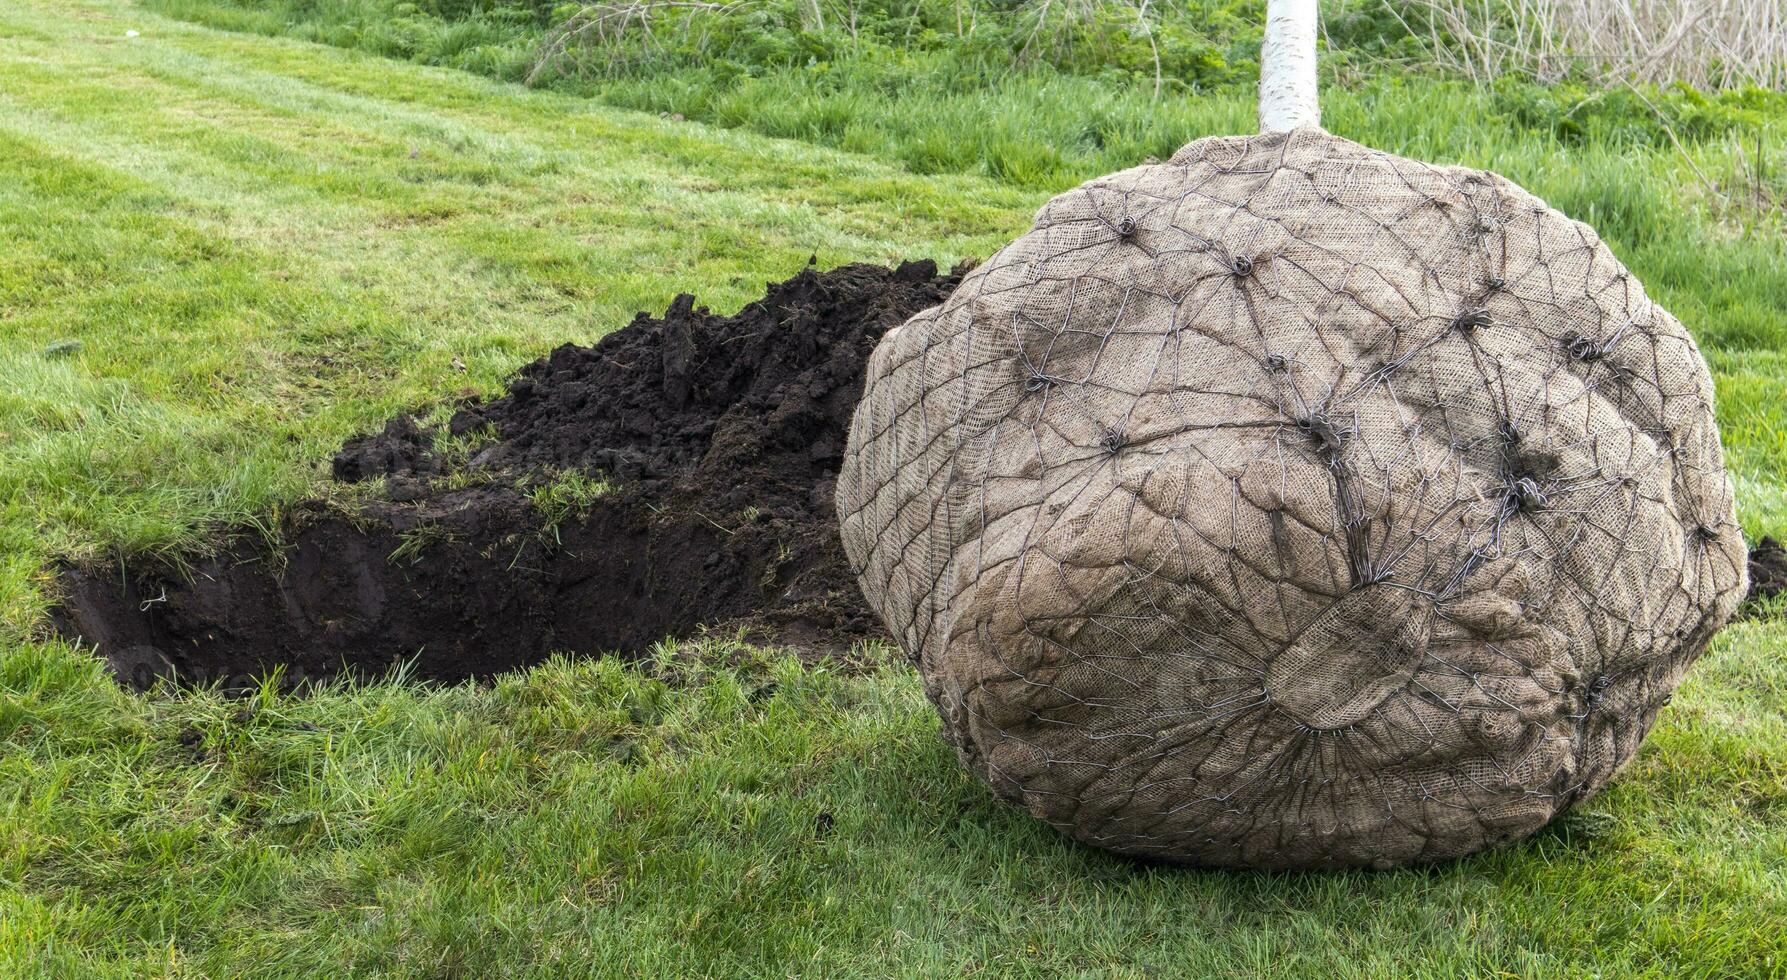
x: 262, y: 246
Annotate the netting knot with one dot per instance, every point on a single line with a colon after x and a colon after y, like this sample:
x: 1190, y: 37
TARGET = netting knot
x: 1598, y: 688
x: 1241, y: 265
x: 1525, y: 495
x: 1277, y: 363
x: 1126, y: 228
x: 1584, y: 349
x: 1325, y: 434
x: 1112, y: 440
x: 1471, y: 319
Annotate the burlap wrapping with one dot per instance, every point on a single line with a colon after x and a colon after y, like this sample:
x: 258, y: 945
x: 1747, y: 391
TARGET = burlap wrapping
x: 1294, y: 504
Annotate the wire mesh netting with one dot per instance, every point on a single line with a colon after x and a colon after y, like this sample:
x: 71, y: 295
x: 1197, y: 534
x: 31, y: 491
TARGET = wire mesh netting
x: 1294, y: 504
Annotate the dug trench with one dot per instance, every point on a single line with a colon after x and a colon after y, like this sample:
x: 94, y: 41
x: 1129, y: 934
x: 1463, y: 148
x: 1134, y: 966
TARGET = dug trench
x: 489, y: 542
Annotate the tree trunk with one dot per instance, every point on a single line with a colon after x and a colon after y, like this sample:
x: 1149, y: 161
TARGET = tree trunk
x: 1287, y: 67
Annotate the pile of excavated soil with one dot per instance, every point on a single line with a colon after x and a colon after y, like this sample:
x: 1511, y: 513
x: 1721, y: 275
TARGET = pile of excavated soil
x: 720, y: 436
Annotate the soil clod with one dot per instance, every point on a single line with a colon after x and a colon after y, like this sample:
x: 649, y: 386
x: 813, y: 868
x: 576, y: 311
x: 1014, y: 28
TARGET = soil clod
x: 1768, y: 569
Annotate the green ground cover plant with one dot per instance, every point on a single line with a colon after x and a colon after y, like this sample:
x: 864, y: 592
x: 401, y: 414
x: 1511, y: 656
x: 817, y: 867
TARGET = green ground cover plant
x: 223, y: 252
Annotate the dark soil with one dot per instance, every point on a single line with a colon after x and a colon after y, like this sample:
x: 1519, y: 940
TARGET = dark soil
x: 1768, y: 569
x: 721, y: 437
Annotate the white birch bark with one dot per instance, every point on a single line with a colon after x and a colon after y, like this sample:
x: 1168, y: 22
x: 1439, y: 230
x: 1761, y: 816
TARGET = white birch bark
x: 1287, y: 67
